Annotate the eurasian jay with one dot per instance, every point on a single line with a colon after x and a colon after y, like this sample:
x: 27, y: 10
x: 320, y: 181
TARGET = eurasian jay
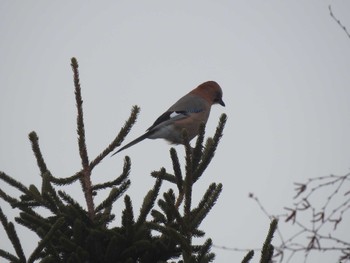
x: 187, y: 113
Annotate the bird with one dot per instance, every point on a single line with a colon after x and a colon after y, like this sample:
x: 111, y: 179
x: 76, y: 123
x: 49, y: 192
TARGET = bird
x: 187, y: 113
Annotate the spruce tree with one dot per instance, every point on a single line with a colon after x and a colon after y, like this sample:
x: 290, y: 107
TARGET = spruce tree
x: 163, y: 230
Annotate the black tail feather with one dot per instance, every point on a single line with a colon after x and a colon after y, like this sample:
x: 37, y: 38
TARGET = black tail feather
x: 139, y: 139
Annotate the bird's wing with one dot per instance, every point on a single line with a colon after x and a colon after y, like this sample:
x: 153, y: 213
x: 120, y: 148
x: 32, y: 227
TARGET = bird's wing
x: 168, y: 116
x: 171, y: 116
x: 181, y: 109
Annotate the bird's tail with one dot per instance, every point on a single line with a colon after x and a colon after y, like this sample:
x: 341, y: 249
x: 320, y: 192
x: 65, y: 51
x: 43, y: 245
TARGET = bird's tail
x: 141, y: 138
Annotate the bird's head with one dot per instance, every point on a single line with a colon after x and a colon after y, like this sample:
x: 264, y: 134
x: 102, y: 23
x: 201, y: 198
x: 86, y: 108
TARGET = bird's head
x: 211, y: 91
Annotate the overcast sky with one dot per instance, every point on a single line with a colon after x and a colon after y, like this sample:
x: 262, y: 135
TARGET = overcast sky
x: 283, y: 67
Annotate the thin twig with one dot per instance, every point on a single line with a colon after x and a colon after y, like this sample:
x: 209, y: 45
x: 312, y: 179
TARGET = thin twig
x: 338, y: 21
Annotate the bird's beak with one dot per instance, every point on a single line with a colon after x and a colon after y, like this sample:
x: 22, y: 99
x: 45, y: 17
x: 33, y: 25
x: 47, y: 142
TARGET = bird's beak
x: 221, y: 102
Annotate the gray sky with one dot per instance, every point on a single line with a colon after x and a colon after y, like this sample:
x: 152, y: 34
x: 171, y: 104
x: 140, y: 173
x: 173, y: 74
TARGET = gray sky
x: 283, y: 67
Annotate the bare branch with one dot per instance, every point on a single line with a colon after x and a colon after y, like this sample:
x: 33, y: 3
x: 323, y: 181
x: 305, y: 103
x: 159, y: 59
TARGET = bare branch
x: 338, y: 21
